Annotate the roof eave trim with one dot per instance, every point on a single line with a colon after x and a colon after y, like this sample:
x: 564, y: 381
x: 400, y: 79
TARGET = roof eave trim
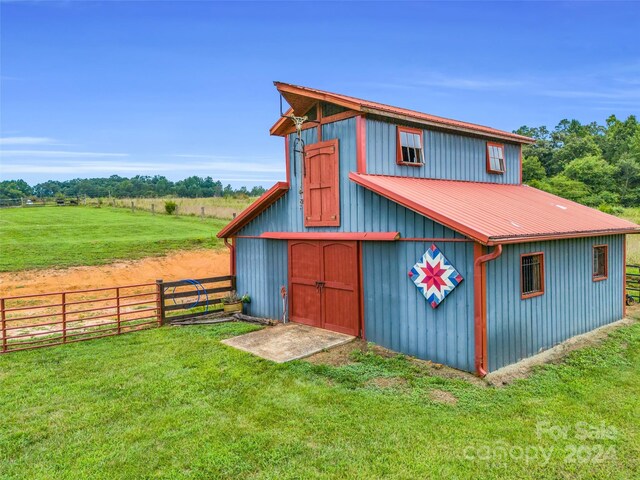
x: 267, y: 199
x: 343, y: 236
x: 357, y: 106
x: 560, y: 236
x: 443, y: 126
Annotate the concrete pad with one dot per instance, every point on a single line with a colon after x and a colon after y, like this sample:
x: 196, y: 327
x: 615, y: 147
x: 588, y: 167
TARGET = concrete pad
x: 284, y: 343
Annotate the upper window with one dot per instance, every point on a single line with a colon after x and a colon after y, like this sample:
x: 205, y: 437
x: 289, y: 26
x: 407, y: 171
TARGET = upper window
x: 600, y: 262
x: 531, y: 275
x: 495, y: 157
x: 409, y: 149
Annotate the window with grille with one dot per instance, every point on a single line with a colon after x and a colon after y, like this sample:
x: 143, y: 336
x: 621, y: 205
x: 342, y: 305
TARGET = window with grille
x: 495, y: 157
x: 600, y: 261
x: 410, y: 148
x: 532, y: 275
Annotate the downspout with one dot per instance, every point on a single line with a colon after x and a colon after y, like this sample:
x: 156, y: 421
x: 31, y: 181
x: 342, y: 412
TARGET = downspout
x: 479, y: 310
x: 232, y: 256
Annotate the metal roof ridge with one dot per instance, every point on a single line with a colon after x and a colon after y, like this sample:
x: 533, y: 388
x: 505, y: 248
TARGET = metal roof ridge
x: 447, y: 180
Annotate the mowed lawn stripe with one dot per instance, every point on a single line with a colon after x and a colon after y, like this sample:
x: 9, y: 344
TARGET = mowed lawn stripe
x: 47, y: 237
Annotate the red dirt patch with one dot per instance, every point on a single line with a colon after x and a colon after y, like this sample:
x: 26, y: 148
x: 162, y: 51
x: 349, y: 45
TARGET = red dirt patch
x: 175, y: 266
x: 441, y: 396
x: 387, y: 382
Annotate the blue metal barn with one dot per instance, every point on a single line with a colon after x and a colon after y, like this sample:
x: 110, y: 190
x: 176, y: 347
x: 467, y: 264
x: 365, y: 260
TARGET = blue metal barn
x: 499, y: 270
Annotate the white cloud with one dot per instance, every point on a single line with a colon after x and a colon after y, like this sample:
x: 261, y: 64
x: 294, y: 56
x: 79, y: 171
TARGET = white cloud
x: 57, y: 154
x: 27, y: 141
x: 598, y: 83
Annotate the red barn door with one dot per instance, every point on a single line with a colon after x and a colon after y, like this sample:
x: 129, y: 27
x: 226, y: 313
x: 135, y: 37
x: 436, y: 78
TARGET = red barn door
x: 324, y: 290
x: 304, y: 294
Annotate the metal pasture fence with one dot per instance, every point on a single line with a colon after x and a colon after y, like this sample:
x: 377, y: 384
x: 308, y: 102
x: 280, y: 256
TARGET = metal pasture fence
x: 56, y: 318
x: 633, y: 281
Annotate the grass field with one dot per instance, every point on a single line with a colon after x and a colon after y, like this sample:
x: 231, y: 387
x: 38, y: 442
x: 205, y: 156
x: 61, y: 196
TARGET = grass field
x: 46, y: 237
x: 215, y: 207
x: 633, y: 241
x: 175, y: 403
x: 43, y: 237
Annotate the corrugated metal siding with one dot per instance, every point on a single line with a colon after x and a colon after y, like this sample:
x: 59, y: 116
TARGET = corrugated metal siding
x: 447, y: 156
x: 286, y: 215
x: 397, y: 315
x: 572, y: 303
x: 262, y: 270
x: 360, y: 209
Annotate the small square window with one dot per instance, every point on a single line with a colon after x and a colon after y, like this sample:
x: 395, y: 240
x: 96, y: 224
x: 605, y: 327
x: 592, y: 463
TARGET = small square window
x: 495, y: 157
x: 409, y: 148
x: 600, y: 263
x: 531, y: 275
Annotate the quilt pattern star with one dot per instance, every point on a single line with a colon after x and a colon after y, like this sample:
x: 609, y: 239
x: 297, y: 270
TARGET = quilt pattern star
x: 434, y: 276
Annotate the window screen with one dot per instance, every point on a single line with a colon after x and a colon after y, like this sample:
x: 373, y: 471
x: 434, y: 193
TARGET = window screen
x: 410, y: 146
x: 532, y: 275
x: 599, y: 262
x: 495, y: 158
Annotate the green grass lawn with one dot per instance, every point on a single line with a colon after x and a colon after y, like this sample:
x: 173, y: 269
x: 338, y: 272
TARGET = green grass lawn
x: 175, y: 403
x: 67, y: 236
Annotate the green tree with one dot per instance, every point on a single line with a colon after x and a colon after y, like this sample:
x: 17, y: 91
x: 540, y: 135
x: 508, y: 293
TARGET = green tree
x: 532, y: 169
x: 572, y: 148
x: 593, y: 171
x: 567, y: 188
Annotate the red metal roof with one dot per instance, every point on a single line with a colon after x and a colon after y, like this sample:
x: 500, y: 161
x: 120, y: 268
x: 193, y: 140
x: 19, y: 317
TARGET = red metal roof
x: 301, y: 98
x: 494, y: 213
x: 255, y: 209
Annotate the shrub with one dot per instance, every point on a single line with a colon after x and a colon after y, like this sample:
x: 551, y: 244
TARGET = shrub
x: 170, y: 207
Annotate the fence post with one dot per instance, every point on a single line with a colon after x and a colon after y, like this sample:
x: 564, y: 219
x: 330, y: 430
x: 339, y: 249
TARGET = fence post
x: 153, y: 208
x: 131, y: 206
x: 64, y: 318
x: 160, y: 302
x: 202, y: 212
x: 3, y: 318
x: 118, y: 309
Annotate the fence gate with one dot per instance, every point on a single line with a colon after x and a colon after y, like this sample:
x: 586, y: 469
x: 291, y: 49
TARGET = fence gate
x: 48, y: 319
x: 633, y: 282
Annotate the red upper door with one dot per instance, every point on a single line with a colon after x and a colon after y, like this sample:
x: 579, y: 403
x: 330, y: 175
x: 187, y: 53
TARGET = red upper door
x: 321, y: 187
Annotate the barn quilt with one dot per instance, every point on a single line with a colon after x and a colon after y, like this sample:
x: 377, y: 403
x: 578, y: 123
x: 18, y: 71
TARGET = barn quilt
x: 434, y: 276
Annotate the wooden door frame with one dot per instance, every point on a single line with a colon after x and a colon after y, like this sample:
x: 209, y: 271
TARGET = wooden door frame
x: 359, y: 289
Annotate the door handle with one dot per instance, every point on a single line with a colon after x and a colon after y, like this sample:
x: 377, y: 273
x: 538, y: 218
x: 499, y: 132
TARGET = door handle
x: 319, y: 285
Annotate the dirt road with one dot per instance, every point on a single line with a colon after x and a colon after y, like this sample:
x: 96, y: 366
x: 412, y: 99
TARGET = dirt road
x: 176, y: 266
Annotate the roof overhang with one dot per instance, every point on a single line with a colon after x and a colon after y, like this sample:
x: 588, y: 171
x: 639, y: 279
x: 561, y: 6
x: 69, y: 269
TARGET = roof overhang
x: 339, y: 236
x: 256, y: 208
x: 493, y: 214
x: 302, y: 98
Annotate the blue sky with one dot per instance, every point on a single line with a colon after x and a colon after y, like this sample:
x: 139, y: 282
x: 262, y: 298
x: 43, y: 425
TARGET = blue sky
x: 185, y: 88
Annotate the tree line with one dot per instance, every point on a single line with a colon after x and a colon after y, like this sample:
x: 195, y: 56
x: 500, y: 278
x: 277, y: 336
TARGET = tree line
x: 593, y: 164
x: 115, y: 186
x: 596, y: 165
